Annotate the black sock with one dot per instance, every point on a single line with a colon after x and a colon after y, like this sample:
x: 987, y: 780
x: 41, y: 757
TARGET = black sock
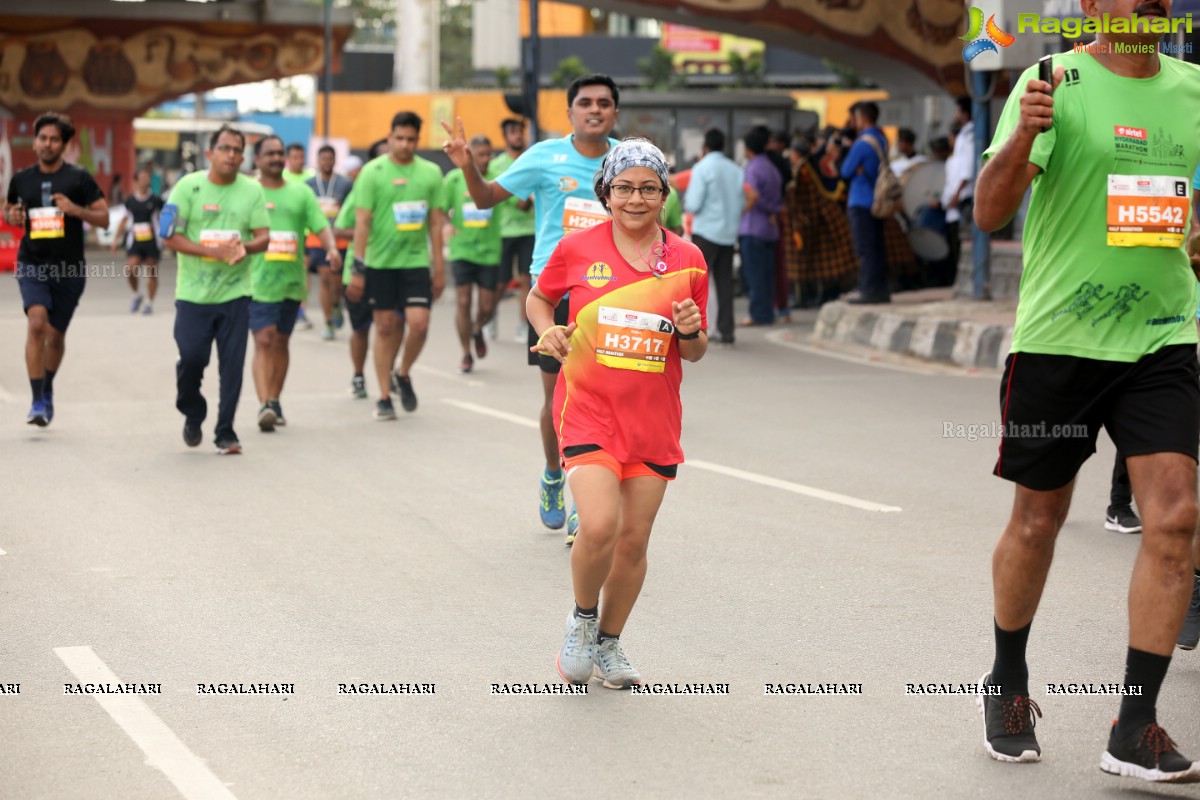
x: 601, y: 636
x: 49, y: 387
x: 587, y: 613
x: 1146, y: 670
x: 1009, y: 670
x: 38, y: 386
x: 1198, y: 574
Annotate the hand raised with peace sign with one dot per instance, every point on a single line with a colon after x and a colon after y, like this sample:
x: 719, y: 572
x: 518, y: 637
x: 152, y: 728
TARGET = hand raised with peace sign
x: 456, y: 146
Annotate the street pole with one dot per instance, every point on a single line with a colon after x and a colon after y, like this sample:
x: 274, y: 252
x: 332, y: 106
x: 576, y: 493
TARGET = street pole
x: 981, y: 242
x: 533, y: 71
x: 328, y: 67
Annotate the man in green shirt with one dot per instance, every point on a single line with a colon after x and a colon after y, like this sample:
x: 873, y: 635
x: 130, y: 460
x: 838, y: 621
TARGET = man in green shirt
x: 296, y: 171
x: 474, y: 253
x: 518, y: 225
x: 397, y: 233
x: 1104, y: 337
x: 212, y: 220
x: 278, y: 276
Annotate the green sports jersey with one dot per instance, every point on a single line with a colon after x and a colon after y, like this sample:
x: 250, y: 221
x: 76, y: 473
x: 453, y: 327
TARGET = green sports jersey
x: 671, y: 215
x: 401, y: 200
x: 1105, y: 273
x: 476, y: 234
x: 345, y: 219
x: 298, y: 177
x: 280, y: 273
x: 513, y: 221
x: 209, y: 213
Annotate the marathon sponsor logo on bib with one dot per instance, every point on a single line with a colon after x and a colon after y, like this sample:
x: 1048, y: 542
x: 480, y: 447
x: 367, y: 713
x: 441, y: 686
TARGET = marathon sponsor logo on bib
x: 579, y: 214
x: 283, y: 246
x: 1147, y: 210
x: 475, y: 217
x: 634, y: 340
x: 143, y: 232
x: 410, y: 216
x: 216, y: 238
x: 47, y: 223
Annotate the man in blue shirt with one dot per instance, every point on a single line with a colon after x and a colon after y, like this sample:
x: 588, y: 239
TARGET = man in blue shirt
x: 560, y: 174
x: 860, y: 169
x: 716, y: 198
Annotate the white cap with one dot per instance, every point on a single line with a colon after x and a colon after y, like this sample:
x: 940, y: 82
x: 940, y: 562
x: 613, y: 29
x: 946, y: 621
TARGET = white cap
x: 351, y: 163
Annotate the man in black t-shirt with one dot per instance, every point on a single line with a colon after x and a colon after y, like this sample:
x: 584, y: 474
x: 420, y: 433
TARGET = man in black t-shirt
x: 139, y: 231
x: 51, y: 200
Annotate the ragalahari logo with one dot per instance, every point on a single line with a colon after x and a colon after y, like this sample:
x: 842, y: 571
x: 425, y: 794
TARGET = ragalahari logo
x: 976, y: 43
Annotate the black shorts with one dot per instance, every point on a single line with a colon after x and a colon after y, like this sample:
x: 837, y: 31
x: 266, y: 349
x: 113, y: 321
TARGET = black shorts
x: 468, y: 272
x: 146, y: 251
x: 395, y: 289
x: 59, y: 295
x: 1052, y: 408
x: 562, y: 313
x: 360, y: 314
x: 515, y: 247
x: 316, y: 258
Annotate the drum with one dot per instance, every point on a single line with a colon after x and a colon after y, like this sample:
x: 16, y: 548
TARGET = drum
x: 923, y: 184
x: 928, y: 244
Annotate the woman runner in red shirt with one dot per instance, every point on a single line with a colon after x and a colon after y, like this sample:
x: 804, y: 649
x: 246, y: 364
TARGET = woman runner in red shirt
x: 638, y: 297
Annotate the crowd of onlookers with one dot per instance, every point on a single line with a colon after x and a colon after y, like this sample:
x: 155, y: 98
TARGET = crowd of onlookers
x: 804, y: 222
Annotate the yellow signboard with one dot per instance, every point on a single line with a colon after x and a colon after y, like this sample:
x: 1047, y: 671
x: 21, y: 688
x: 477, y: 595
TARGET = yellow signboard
x: 699, y: 51
x: 156, y: 140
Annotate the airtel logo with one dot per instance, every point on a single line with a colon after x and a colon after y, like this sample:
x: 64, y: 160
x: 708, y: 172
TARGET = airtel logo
x: 1133, y: 133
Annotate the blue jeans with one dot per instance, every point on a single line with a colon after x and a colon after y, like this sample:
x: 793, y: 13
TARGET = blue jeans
x: 758, y: 272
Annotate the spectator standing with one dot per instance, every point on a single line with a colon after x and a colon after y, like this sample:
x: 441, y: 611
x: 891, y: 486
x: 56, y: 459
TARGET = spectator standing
x: 759, y: 229
x: 861, y: 169
x: 716, y: 198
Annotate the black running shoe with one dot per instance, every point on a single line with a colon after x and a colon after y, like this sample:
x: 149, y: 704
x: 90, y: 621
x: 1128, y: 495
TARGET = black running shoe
x: 1122, y: 520
x: 229, y: 446
x: 1148, y: 753
x: 1008, y: 722
x: 480, y: 344
x: 192, y: 435
x: 408, y: 398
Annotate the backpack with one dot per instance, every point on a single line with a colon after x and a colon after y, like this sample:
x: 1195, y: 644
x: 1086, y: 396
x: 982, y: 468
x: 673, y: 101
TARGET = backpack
x: 888, y: 190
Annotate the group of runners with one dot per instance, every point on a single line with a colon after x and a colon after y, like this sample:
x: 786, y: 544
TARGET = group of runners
x: 617, y: 303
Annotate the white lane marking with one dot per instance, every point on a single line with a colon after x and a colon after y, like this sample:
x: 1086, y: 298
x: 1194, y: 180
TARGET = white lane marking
x: 162, y: 747
x: 751, y: 477
x: 437, y: 373
x: 788, y: 486
x: 880, y: 360
x: 2, y: 553
x: 491, y: 412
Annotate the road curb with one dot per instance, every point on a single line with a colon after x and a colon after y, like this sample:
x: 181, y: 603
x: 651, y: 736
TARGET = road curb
x: 962, y: 342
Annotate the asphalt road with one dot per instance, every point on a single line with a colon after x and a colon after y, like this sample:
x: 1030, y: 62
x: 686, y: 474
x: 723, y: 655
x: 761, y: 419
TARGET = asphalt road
x: 342, y: 550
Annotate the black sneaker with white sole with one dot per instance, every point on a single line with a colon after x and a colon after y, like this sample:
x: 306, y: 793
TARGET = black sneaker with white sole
x: 1008, y: 723
x: 229, y: 446
x: 1122, y: 519
x: 1148, y: 753
x: 266, y: 418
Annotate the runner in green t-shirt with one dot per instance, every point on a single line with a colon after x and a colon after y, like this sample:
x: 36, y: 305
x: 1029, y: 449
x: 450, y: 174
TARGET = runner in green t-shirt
x: 397, y: 233
x: 518, y: 225
x: 212, y: 220
x: 671, y: 216
x: 1104, y: 337
x: 474, y: 253
x: 279, y: 276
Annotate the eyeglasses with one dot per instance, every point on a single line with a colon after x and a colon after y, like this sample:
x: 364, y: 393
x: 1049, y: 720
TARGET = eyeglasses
x: 227, y: 148
x: 624, y: 191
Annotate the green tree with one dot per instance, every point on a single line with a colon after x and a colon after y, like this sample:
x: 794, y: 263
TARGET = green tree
x: 749, y: 72
x: 457, y: 62
x: 503, y: 77
x: 568, y: 70
x: 658, y: 69
x: 847, y: 78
